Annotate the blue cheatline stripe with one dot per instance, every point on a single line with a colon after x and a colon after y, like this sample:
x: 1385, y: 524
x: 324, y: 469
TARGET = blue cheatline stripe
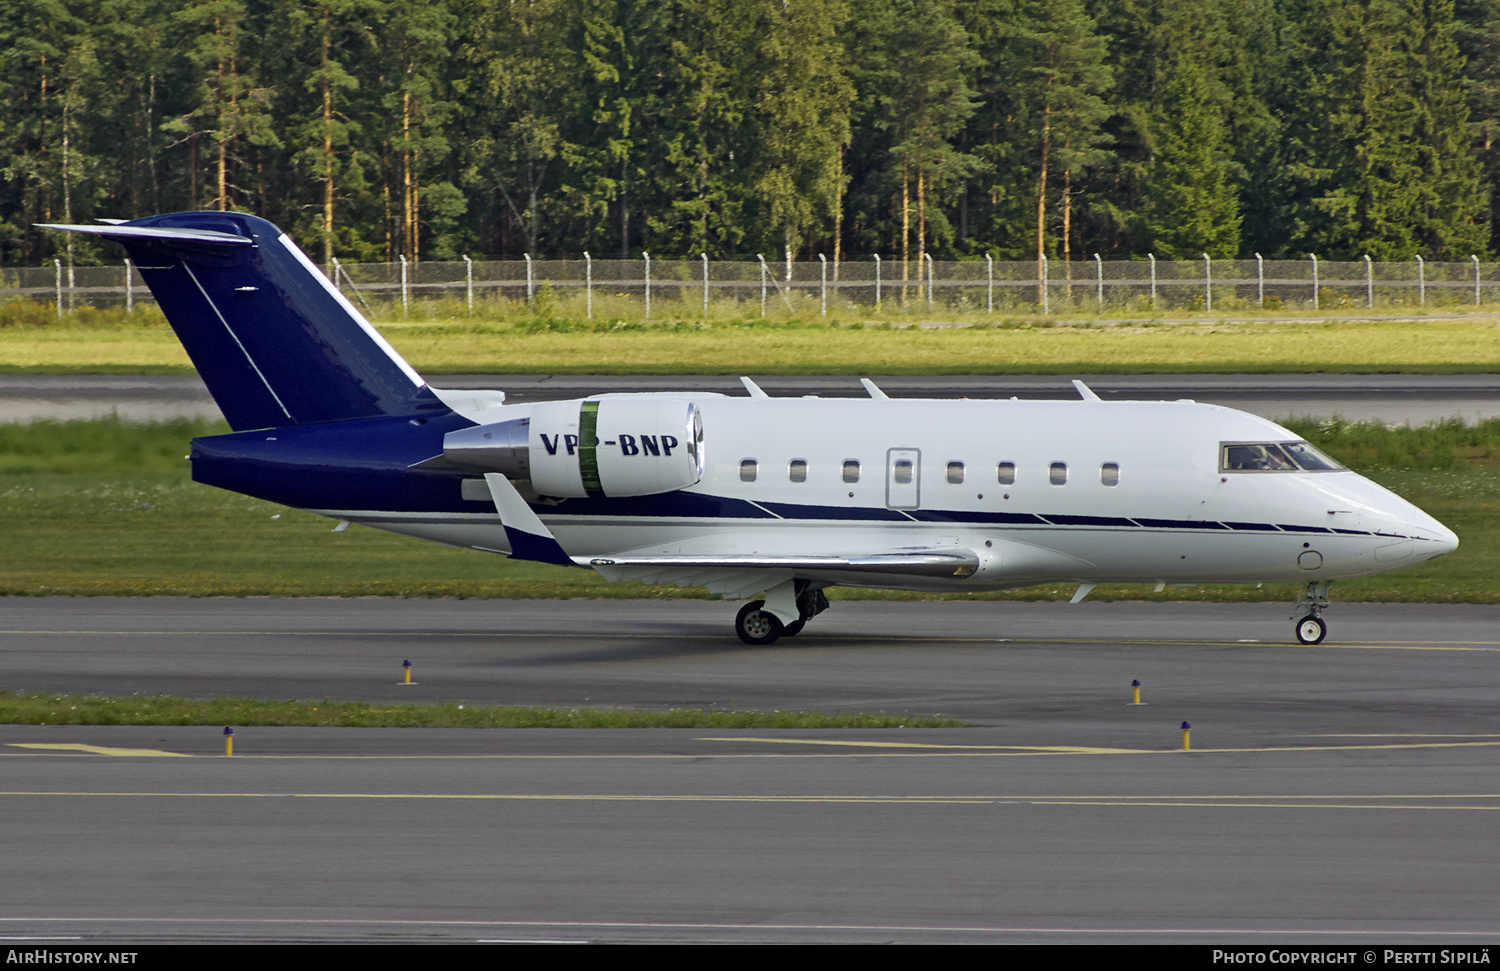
x: 1178, y: 523
x: 1057, y: 520
x: 573, y: 516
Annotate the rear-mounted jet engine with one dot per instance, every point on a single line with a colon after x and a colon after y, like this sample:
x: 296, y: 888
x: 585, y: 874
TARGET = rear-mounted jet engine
x: 636, y: 445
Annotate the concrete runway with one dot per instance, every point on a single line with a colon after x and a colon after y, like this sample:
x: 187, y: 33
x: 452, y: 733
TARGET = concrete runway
x: 1341, y: 794
x: 1394, y: 398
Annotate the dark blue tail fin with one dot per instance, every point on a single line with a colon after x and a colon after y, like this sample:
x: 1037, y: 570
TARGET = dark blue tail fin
x: 275, y: 342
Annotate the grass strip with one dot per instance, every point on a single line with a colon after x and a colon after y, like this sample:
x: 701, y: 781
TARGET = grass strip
x: 18, y: 708
x: 443, y: 339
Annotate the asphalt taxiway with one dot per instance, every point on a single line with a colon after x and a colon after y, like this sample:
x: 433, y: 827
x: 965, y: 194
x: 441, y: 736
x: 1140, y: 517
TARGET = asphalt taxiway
x: 1343, y: 793
x: 1393, y: 398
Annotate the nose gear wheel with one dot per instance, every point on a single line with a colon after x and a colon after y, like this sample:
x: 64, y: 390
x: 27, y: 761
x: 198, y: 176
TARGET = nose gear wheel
x: 1310, y: 627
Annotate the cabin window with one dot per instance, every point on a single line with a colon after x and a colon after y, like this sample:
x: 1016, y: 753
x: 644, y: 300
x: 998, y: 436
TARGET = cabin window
x: 1109, y: 473
x: 1057, y: 474
x: 851, y: 470
x: 1005, y: 473
x: 1274, y: 457
x: 901, y: 472
x: 748, y: 470
x: 955, y: 473
x: 797, y: 470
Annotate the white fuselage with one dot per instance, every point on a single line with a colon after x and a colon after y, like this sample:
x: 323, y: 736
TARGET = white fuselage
x: 1084, y: 491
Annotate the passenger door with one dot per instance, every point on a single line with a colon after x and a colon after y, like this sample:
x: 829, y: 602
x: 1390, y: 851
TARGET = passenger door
x: 903, y: 467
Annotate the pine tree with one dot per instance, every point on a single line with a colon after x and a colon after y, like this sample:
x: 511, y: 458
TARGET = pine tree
x: 232, y: 109
x: 1189, y: 201
x: 146, y: 82
x: 996, y: 211
x: 1401, y: 179
x: 1478, y: 38
x: 1064, y: 98
x: 1451, y: 217
x: 914, y: 70
x: 421, y: 204
x: 1247, y: 54
x: 801, y: 97
x: 696, y: 128
x: 34, y: 42
x: 602, y: 184
x: 522, y: 72
x: 328, y: 50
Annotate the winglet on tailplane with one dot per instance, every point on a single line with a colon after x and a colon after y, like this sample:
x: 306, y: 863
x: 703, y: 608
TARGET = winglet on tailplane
x: 275, y: 342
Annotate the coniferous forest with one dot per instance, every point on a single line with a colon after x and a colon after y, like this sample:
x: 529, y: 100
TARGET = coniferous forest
x: 370, y: 129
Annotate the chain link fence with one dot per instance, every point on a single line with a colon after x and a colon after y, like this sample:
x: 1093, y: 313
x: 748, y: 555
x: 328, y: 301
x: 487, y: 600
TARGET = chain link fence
x: 684, y: 288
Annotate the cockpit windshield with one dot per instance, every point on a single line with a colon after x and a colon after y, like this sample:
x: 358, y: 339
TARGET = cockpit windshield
x: 1274, y: 457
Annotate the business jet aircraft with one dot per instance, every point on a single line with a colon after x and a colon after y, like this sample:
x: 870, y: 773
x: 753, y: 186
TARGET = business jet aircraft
x: 779, y: 498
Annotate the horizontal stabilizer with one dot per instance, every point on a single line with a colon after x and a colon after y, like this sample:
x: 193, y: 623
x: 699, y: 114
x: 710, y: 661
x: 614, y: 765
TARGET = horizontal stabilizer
x: 122, y: 233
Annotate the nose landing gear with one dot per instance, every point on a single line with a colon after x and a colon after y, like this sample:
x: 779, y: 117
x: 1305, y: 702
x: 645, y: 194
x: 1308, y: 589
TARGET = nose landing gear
x: 1309, y: 617
x: 1311, y: 630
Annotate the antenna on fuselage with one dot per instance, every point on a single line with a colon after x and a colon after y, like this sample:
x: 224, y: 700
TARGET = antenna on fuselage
x: 1085, y: 392
x: 753, y: 388
x: 875, y: 392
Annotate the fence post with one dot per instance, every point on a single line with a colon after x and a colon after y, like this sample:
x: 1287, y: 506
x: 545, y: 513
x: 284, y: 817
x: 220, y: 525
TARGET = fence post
x: 469, y: 282
x: 928, y: 257
x: 1476, y: 278
x: 823, y: 285
x: 1314, y: 258
x: 1099, y: 268
x: 405, y: 301
x: 129, y: 289
x: 340, y: 268
x: 1043, y: 258
x: 989, y: 280
x: 528, y: 278
x: 1208, y: 284
x: 57, y: 287
x: 1421, y: 282
x: 877, y: 281
x: 763, y: 271
x: 1369, y: 282
x: 705, y: 285
x: 648, y: 283
x: 1152, y: 258
x: 1260, y: 281
x: 588, y: 284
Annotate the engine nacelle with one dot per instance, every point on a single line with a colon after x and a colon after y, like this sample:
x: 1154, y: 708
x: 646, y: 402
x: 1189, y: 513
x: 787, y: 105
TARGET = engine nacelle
x: 630, y: 445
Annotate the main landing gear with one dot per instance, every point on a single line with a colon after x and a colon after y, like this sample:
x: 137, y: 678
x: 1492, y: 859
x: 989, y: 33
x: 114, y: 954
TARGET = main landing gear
x: 755, y: 626
x: 1310, y: 606
x: 758, y: 627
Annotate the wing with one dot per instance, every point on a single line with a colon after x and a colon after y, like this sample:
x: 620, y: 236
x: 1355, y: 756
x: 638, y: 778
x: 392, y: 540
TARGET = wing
x: 739, y: 576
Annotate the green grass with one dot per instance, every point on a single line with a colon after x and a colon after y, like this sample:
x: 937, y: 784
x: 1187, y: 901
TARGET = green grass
x: 510, y: 338
x: 48, y: 709
x: 106, y: 445
x: 107, y: 508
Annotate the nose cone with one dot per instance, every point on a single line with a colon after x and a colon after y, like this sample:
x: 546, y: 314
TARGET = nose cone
x: 1433, y: 538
